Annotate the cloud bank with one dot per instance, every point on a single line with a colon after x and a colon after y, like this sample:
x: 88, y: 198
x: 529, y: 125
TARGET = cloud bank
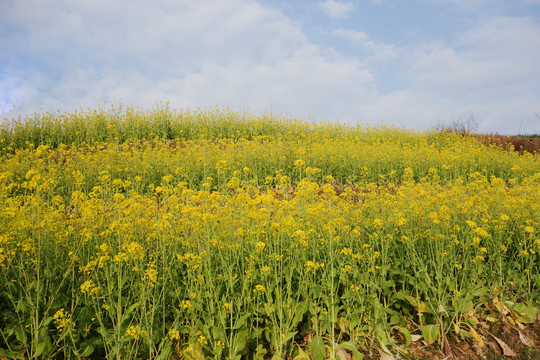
x: 244, y: 53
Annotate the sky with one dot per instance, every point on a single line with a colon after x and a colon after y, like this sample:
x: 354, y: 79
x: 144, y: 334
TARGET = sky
x: 417, y: 64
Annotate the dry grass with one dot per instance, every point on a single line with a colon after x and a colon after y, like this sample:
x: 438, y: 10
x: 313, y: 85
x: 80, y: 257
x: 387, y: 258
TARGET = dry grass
x: 468, y: 126
x: 521, y: 144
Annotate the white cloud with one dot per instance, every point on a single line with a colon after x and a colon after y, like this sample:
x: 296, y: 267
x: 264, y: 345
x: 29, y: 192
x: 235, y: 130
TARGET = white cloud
x: 377, y: 51
x: 465, y: 4
x: 499, y: 55
x: 65, y: 55
x: 231, y: 52
x: 358, y: 36
x: 337, y: 9
x: 491, y: 70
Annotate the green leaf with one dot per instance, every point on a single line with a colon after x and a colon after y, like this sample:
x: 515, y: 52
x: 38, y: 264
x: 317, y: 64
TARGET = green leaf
x: 412, y: 301
x: 430, y: 333
x: 318, y: 350
x: 240, y: 322
x: 400, y: 295
x: 240, y: 341
x: 39, y: 349
x: 88, y: 351
x: 301, y: 355
x: 47, y: 321
x: 290, y: 335
x: 260, y: 352
x: 467, y: 306
x: 269, y: 308
x: 87, y: 347
x: 301, y: 309
x: 10, y: 354
x: 20, y: 334
x: 406, y: 334
x: 527, y: 314
x: 130, y: 310
x: 380, y: 335
x: 395, y: 319
x: 42, y: 346
x: 480, y: 292
x: 357, y: 355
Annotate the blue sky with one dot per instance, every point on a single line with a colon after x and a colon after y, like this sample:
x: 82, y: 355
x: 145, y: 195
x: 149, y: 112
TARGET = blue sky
x: 416, y: 63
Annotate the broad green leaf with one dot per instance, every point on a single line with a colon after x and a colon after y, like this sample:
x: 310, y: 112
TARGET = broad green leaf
x: 10, y: 354
x: 240, y: 322
x: 290, y: 335
x: 130, y: 310
x: 441, y: 309
x: 260, y: 352
x: 527, y: 314
x: 20, y: 334
x: 380, y: 335
x: 406, y: 334
x: 87, y: 351
x: 87, y: 347
x: 299, y: 314
x: 395, y: 319
x: 318, y: 350
x: 430, y: 333
x: 357, y: 355
x: 301, y: 355
x: 47, y: 321
x: 241, y: 340
x: 467, y: 306
x: 412, y: 301
x: 40, y: 348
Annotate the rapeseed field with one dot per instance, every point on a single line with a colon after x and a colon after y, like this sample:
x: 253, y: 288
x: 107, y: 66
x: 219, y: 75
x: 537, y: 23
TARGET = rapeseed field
x: 215, y: 234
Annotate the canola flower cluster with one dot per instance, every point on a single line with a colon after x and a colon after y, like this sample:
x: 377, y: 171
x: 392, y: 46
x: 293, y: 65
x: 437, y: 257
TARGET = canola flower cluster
x: 221, y: 235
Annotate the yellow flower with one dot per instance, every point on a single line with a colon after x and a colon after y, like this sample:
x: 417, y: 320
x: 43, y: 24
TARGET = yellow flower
x: 151, y: 276
x: 62, y: 319
x: 135, y: 249
x: 88, y: 287
x: 400, y: 222
x: 259, y: 289
x: 121, y: 257
x: 135, y: 332
x: 260, y: 246
x: 186, y: 304
x: 471, y: 224
x: 202, y: 340
x: 299, y: 164
x: 173, y: 334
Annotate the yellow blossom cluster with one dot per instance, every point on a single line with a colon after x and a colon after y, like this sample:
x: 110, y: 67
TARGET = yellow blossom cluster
x: 167, y: 219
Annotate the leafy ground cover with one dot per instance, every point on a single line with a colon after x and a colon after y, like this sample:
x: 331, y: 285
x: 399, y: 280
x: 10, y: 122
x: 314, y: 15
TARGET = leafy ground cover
x: 215, y: 234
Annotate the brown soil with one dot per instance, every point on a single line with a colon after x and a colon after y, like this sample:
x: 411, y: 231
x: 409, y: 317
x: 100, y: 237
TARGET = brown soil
x: 501, y: 341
